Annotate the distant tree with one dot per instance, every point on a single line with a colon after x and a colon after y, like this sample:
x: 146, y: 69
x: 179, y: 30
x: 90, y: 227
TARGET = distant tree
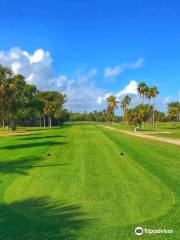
x: 174, y: 111
x: 148, y: 94
x: 21, y: 103
x: 62, y: 115
x: 142, y: 90
x: 159, y: 116
x: 154, y: 93
x: 124, y: 104
x: 5, y: 92
x: 52, y: 101
x: 138, y: 115
x: 101, y: 116
x: 112, y: 105
x: 151, y: 93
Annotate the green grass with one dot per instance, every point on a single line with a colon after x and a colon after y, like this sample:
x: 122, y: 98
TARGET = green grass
x: 170, y: 134
x: 167, y: 130
x: 72, y: 183
x: 159, y: 126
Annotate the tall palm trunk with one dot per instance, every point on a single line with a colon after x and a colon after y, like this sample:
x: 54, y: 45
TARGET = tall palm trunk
x: 40, y: 124
x: 49, y: 121
x: 153, y: 120
x: 44, y: 120
x: 123, y: 115
x: 12, y: 123
x: 153, y: 115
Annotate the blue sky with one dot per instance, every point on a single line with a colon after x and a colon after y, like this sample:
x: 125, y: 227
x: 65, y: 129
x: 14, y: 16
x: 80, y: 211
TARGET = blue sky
x: 80, y: 40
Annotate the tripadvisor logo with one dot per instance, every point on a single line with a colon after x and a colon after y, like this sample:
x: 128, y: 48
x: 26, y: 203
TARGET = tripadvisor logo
x: 139, y: 231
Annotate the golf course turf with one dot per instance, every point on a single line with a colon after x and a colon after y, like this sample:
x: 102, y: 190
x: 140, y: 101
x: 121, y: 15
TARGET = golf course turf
x: 82, y: 181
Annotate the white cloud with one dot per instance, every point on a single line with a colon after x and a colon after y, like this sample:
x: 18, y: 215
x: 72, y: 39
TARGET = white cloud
x: 36, y: 67
x: 39, y: 56
x: 131, y: 88
x: 82, y: 92
x: 137, y: 64
x: 102, y: 99
x: 111, y: 72
x: 15, y: 67
x: 162, y: 101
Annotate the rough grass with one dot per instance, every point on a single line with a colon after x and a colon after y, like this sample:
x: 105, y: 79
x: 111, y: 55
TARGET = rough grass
x: 167, y: 129
x: 5, y: 133
x: 171, y: 134
x: 159, y: 126
x: 74, y: 183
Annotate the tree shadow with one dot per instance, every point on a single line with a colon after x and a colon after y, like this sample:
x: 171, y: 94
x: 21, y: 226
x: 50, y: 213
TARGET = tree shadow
x: 31, y: 145
x: 22, y: 165
x: 28, y: 134
x: 43, y: 129
x: 43, y: 137
x: 174, y: 127
x: 40, y: 219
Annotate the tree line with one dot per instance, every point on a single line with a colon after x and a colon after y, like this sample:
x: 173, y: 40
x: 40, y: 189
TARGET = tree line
x: 145, y: 111
x: 142, y: 112
x: 174, y: 111
x: 96, y: 116
x: 24, y: 105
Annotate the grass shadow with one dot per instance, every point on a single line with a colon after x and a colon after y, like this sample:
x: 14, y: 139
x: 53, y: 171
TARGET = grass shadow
x: 40, y: 219
x: 43, y: 137
x: 31, y: 145
x: 41, y: 128
x: 23, y: 135
x: 22, y: 165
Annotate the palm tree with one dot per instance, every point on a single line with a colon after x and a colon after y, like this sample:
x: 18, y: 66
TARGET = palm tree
x: 5, y: 72
x: 142, y: 90
x: 154, y: 93
x: 58, y: 114
x: 22, y: 103
x: 174, y: 110
x: 148, y: 94
x: 127, y: 100
x: 112, y: 104
x: 124, y: 104
x: 123, y: 107
x: 5, y: 76
x: 52, y: 101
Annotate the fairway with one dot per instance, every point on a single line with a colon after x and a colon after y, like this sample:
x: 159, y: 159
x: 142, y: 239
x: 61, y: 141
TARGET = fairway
x: 82, y: 181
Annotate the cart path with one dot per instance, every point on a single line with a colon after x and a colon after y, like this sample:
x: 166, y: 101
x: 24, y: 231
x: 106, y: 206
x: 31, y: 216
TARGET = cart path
x: 143, y: 135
